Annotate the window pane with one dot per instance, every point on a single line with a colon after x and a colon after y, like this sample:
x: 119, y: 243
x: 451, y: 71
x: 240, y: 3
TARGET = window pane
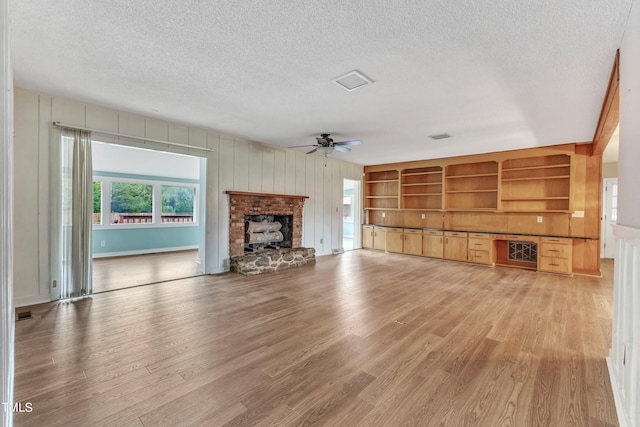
x: 131, y: 203
x: 97, y: 202
x: 177, y: 203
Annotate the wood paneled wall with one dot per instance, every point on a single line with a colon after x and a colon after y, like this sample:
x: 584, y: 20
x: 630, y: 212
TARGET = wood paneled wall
x: 235, y: 164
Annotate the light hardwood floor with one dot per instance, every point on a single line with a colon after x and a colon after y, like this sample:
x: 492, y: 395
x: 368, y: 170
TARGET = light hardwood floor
x: 359, y: 339
x: 127, y: 271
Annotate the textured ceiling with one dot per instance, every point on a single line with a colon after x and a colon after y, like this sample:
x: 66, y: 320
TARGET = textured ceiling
x: 495, y: 74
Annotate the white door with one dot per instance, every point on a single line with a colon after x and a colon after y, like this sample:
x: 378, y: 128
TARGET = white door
x: 609, y: 217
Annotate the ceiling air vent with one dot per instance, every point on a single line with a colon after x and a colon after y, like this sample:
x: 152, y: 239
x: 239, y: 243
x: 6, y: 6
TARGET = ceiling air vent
x: 353, y: 80
x: 440, y: 136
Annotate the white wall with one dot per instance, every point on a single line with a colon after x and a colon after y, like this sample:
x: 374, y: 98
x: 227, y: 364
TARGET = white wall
x: 624, y: 360
x: 132, y: 160
x: 235, y: 164
x: 6, y: 300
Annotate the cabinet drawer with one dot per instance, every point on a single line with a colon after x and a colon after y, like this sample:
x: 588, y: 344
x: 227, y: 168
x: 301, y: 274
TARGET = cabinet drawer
x: 556, y: 265
x: 556, y: 240
x: 555, y: 250
x: 455, y: 234
x: 394, y: 230
x: 481, y: 257
x: 479, y: 236
x: 412, y: 231
x: 433, y: 233
x: 479, y: 244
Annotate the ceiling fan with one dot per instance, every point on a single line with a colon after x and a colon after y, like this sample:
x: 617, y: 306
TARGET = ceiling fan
x: 326, y: 145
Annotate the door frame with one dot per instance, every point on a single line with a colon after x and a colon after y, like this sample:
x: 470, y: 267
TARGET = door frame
x: 610, y: 251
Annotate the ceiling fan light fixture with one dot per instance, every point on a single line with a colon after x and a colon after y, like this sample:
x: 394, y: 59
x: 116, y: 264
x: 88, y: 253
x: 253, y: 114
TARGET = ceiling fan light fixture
x: 325, y: 151
x: 353, y: 80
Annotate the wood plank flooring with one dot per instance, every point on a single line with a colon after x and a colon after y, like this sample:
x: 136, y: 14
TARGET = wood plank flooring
x: 127, y: 271
x: 359, y: 339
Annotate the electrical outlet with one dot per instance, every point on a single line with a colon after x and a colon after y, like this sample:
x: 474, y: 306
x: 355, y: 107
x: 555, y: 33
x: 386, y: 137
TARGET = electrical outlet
x: 539, y: 219
x: 424, y: 216
x: 578, y: 214
x: 383, y: 214
x: 103, y: 243
x: 321, y: 241
x: 55, y: 284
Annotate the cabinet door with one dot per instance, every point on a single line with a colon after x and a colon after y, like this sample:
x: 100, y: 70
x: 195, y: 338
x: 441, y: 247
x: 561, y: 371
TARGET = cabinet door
x: 455, y: 248
x: 394, y: 241
x: 433, y: 246
x: 367, y: 236
x: 412, y: 244
x: 379, y: 238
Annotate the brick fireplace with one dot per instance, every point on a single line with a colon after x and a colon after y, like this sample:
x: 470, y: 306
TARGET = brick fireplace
x: 245, y: 204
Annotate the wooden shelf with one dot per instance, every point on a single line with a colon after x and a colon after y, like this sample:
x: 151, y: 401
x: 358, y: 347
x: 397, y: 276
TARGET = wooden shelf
x: 422, y: 173
x: 384, y: 209
x: 422, y: 194
x: 380, y: 181
x: 421, y: 183
x: 381, y: 197
x: 475, y: 175
x: 472, y: 191
x: 536, y: 178
x: 524, y: 199
x: 470, y: 210
x: 523, y: 168
x: 534, y: 211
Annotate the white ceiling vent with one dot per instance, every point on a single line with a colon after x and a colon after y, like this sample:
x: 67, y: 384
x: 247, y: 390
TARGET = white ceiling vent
x: 353, y: 80
x: 440, y: 136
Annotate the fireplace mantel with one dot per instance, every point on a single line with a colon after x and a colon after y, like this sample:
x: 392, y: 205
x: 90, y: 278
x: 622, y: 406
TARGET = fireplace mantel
x: 248, y: 193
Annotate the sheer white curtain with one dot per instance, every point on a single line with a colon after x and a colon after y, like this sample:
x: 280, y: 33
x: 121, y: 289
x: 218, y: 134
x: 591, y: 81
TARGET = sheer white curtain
x: 77, y: 208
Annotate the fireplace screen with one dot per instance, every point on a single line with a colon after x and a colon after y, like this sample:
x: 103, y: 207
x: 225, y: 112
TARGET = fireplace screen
x: 267, y: 231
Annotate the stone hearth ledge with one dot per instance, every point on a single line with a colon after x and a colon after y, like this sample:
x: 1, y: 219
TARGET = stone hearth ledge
x: 272, y: 260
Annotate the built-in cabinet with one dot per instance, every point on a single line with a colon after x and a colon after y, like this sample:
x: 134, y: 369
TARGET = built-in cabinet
x: 546, y: 191
x: 394, y: 240
x: 433, y: 244
x: 412, y: 242
x: 367, y: 236
x: 455, y: 245
x: 480, y: 248
x: 555, y: 255
x: 380, y: 238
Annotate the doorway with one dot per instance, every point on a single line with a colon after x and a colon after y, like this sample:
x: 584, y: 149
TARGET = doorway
x: 350, y: 215
x: 609, y: 216
x: 148, y: 217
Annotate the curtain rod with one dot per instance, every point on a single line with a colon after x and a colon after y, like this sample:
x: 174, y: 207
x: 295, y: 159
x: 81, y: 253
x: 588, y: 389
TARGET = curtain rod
x: 194, y: 147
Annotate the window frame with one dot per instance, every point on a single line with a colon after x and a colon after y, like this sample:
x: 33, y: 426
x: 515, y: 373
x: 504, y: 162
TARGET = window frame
x: 156, y: 203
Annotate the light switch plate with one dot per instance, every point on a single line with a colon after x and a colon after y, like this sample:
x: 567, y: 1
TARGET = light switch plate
x: 578, y: 214
x: 383, y: 214
x: 539, y: 219
x: 424, y: 216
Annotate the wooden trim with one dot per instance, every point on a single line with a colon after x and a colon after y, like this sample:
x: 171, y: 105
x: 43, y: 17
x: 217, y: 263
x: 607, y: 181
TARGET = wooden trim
x: 610, y: 113
x: 247, y: 193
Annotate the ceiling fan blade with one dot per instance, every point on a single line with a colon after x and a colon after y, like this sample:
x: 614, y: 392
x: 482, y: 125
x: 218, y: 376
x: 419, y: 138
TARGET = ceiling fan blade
x: 312, y: 151
x: 354, y: 142
x: 342, y: 149
x: 301, y: 146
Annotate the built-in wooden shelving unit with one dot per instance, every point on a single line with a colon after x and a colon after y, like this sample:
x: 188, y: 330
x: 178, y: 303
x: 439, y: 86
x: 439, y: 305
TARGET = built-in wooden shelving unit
x: 537, y: 184
x: 381, y: 190
x: 421, y: 188
x: 472, y: 186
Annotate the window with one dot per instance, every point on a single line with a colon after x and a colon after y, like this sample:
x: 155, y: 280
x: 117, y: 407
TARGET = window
x: 97, y: 202
x: 131, y: 203
x: 177, y: 203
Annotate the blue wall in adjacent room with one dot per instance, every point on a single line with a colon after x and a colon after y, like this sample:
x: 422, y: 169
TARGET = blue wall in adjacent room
x: 145, y: 239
